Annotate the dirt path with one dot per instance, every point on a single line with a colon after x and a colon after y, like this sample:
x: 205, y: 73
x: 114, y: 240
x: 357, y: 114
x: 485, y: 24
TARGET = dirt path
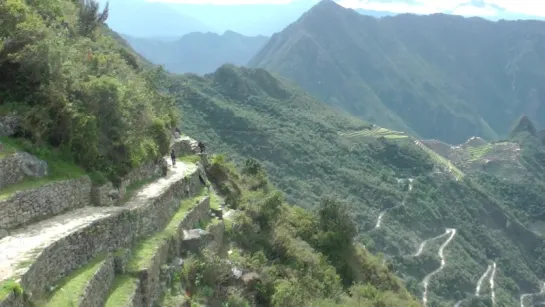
x: 23, y: 244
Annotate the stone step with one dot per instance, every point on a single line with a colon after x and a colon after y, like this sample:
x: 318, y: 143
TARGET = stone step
x: 39, y: 255
x: 86, y: 287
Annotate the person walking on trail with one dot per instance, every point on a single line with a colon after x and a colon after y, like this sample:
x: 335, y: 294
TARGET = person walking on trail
x: 201, y: 146
x: 173, y: 157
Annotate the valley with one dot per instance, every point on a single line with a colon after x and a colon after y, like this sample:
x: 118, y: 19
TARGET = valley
x: 395, y: 161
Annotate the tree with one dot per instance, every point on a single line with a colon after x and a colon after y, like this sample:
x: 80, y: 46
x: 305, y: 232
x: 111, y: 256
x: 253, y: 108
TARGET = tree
x: 90, y: 18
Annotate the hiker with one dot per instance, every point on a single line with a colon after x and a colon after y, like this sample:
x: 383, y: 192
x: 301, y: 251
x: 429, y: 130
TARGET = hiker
x: 177, y: 133
x: 201, y: 146
x: 173, y: 157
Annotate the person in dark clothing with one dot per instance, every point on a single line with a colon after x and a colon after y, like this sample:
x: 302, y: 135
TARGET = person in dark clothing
x: 173, y: 157
x: 177, y: 133
x: 201, y: 146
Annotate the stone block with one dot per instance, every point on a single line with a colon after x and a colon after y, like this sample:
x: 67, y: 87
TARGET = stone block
x: 18, y: 166
x: 195, y: 240
x: 8, y: 125
x: 105, y: 195
x: 121, y: 259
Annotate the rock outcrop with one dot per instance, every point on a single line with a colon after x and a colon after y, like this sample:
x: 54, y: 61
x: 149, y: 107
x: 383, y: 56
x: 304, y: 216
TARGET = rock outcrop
x: 16, y: 167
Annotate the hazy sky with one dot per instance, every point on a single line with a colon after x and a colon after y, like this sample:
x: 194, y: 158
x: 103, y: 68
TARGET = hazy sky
x: 484, y: 8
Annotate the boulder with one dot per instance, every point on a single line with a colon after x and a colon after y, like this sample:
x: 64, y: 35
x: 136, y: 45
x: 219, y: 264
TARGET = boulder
x: 14, y: 168
x: 8, y: 125
x: 195, y: 240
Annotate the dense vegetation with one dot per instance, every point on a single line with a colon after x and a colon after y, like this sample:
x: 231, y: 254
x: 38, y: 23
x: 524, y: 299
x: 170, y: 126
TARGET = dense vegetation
x: 465, y: 76
x: 73, y: 86
x: 297, y: 257
x: 198, y: 52
x: 251, y: 113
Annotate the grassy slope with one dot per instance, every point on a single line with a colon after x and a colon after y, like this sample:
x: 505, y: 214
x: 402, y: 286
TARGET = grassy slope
x: 249, y: 113
x: 397, y: 71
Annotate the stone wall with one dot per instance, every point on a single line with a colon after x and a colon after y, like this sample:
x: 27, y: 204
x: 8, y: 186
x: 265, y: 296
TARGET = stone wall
x: 151, y: 287
x: 16, y: 167
x: 51, y: 199
x: 124, y: 227
x: 13, y: 300
x: 107, y: 195
x: 96, y: 291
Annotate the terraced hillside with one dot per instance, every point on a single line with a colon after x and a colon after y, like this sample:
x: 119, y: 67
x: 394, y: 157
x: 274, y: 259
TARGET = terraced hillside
x: 71, y: 249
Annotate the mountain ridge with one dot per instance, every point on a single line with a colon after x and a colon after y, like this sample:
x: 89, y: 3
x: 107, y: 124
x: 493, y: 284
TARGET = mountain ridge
x: 247, y: 117
x: 393, y: 70
x: 197, y: 52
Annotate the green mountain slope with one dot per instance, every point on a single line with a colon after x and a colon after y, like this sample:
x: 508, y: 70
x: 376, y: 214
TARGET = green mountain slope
x: 197, y: 52
x: 72, y: 85
x: 465, y: 76
x: 311, y: 150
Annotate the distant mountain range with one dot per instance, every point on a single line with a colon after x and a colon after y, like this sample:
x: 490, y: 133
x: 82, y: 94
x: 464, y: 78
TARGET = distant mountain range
x: 198, y: 53
x: 436, y: 76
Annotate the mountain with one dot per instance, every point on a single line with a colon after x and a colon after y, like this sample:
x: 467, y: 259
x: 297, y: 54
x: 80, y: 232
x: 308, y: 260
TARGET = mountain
x: 465, y: 76
x: 414, y: 201
x: 151, y: 19
x: 77, y: 105
x: 198, y: 53
x: 247, y: 19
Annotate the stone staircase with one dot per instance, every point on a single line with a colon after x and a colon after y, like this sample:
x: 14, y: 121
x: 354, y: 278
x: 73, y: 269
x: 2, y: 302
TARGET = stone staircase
x: 67, y: 250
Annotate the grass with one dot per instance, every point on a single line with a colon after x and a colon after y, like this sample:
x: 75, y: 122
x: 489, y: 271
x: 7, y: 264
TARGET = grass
x: 215, y: 200
x: 9, y: 286
x: 193, y: 159
x: 123, y: 288
x: 59, y: 167
x: 73, y: 286
x: 146, y: 249
x: 476, y: 153
x: 375, y: 133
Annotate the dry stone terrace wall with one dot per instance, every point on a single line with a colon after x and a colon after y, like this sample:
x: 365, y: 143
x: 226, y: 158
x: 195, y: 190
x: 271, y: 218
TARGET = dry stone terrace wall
x: 97, y: 289
x: 123, y: 227
x: 48, y: 200
x: 150, y: 283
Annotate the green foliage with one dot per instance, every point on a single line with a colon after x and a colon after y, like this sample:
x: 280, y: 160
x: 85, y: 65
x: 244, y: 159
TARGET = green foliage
x: 71, y: 86
x: 296, y: 139
x: 298, y: 255
x: 90, y: 18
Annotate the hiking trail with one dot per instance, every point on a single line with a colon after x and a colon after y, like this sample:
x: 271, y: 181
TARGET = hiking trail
x: 381, y: 215
x: 23, y: 244
x: 428, y: 277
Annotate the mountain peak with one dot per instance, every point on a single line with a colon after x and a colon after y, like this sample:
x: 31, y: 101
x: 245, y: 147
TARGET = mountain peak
x: 524, y: 124
x: 326, y: 6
